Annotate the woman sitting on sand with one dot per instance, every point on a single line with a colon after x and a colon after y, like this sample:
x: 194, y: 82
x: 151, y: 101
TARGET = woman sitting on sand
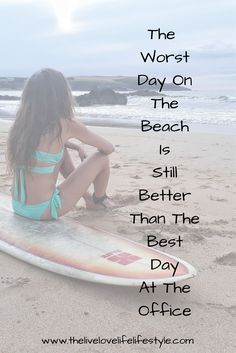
x: 37, y: 152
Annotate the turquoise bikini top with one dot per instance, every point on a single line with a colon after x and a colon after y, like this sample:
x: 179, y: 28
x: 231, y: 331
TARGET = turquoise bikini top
x: 50, y: 158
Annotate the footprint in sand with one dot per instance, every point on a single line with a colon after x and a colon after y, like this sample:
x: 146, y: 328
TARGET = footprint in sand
x: 136, y: 177
x: 227, y: 260
x: 196, y: 238
x: 146, y: 163
x: 218, y: 199
x: 229, y: 309
x: 34, y: 306
x: 125, y: 200
x: 124, y: 315
x: 220, y: 222
x: 204, y: 187
x: 36, y: 310
x: 116, y: 166
x: 11, y: 282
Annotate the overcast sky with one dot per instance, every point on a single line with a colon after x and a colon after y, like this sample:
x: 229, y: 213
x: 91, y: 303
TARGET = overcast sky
x: 105, y: 37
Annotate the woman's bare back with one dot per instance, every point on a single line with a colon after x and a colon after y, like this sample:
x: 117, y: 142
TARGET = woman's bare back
x: 40, y: 187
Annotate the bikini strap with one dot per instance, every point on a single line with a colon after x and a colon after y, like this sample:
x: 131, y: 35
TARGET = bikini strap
x: 22, y: 186
x: 20, y: 177
x: 55, y: 203
x: 16, y: 185
x: 43, y: 170
x: 50, y: 158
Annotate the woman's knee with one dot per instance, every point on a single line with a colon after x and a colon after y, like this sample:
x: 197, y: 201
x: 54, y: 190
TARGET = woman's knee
x: 67, y: 166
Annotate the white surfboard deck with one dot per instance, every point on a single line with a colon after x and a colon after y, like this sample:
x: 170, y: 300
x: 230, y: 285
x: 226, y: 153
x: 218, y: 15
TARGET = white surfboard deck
x: 66, y: 247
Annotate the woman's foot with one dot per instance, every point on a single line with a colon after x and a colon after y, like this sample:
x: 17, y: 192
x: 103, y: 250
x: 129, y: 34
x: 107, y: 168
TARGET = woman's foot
x: 102, y: 201
x: 107, y: 203
x: 99, y: 203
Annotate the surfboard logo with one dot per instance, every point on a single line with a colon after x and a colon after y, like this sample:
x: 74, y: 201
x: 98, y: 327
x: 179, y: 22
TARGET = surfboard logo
x: 121, y: 257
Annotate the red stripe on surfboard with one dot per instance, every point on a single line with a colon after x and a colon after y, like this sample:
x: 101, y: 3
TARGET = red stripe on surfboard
x: 121, y: 257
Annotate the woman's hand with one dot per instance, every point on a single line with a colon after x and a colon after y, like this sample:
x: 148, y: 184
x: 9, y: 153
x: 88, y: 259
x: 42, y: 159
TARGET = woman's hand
x: 82, y: 154
x: 76, y: 147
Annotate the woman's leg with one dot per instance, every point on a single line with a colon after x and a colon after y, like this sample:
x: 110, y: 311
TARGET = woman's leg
x: 94, y: 169
x: 66, y: 168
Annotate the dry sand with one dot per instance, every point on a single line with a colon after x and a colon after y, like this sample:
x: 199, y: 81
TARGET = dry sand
x: 36, y: 304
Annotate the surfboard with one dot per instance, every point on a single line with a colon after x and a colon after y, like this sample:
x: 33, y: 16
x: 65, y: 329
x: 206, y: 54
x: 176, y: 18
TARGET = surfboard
x: 71, y: 249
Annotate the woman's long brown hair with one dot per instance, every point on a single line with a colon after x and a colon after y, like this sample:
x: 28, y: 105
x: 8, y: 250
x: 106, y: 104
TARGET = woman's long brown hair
x: 46, y: 99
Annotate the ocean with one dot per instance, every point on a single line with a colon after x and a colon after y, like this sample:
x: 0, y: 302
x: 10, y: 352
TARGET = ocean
x: 209, y: 111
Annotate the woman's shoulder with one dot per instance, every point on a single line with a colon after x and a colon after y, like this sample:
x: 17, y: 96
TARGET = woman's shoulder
x: 67, y: 126
x: 71, y: 127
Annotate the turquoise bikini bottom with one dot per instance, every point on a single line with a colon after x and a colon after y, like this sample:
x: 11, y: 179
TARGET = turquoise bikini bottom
x: 36, y: 211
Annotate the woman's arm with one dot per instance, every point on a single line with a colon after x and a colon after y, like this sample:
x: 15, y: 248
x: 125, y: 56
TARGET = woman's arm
x: 74, y: 146
x: 79, y: 131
